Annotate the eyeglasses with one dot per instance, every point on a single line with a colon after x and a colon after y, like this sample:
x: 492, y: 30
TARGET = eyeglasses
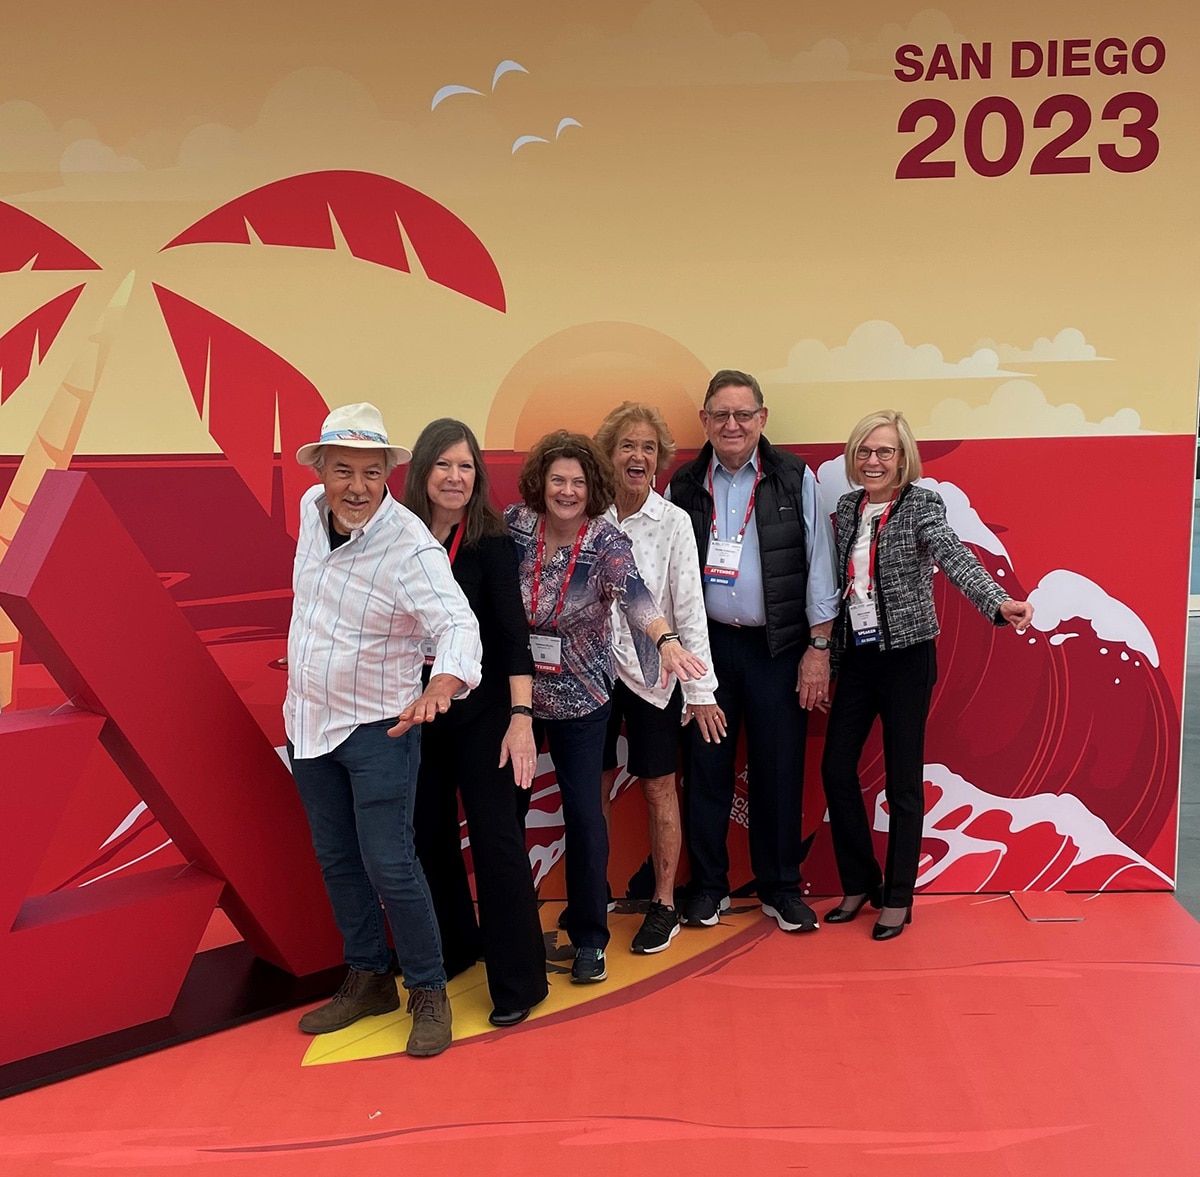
x: 741, y: 416
x: 885, y: 453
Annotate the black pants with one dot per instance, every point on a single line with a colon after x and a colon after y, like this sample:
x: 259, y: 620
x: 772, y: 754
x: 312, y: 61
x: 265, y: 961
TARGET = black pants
x: 896, y: 686
x: 464, y: 757
x: 761, y: 691
x: 577, y: 749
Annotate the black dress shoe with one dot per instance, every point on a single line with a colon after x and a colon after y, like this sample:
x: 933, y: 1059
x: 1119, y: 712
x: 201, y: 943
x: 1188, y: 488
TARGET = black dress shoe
x: 508, y: 1017
x: 891, y: 931
x: 843, y: 915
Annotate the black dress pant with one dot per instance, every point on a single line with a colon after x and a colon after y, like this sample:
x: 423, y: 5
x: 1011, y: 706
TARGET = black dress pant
x: 464, y: 758
x: 577, y: 749
x: 759, y: 690
x: 896, y: 686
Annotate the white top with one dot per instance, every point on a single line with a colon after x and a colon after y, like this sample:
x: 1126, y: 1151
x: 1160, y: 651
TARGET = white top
x: 862, y: 548
x: 357, y: 620
x: 664, y: 548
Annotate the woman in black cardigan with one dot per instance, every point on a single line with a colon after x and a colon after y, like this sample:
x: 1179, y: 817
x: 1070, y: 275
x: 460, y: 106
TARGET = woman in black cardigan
x: 889, y: 536
x: 483, y: 746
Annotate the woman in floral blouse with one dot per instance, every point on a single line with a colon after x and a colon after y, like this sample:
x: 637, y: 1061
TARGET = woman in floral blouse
x: 574, y: 564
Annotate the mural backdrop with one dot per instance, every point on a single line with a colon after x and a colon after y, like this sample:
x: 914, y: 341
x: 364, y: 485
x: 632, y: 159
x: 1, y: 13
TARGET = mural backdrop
x: 217, y: 220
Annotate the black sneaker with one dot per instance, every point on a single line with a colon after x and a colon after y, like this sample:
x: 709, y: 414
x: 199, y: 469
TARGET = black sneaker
x: 588, y: 967
x: 791, y: 913
x: 703, y: 911
x: 658, y: 929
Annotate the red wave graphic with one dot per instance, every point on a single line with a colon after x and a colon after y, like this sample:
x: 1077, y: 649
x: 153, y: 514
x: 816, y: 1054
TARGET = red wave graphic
x: 1019, y: 716
x: 369, y: 211
x: 974, y: 841
x: 38, y: 329
x: 25, y: 239
x: 246, y: 384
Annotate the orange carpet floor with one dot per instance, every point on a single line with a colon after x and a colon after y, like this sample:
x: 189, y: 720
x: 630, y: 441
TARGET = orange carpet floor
x: 977, y: 1043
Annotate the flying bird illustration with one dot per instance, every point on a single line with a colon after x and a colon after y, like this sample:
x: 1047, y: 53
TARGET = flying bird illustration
x: 522, y: 140
x: 562, y: 126
x: 507, y: 66
x: 446, y: 91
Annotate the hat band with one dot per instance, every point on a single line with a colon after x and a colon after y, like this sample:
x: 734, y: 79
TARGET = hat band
x: 354, y: 435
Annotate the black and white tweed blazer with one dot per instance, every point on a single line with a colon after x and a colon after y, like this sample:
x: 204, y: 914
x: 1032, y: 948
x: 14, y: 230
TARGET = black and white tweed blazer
x: 917, y: 536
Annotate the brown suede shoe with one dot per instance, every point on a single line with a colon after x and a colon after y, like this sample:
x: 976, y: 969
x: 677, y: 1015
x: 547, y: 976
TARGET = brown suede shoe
x: 430, y: 1009
x: 362, y: 994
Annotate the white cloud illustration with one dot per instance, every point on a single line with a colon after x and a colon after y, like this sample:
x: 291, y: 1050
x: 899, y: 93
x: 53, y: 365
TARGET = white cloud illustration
x: 876, y: 351
x: 1018, y: 408
x: 1068, y: 347
x: 90, y: 155
x: 674, y: 43
x: 30, y: 142
x: 928, y: 27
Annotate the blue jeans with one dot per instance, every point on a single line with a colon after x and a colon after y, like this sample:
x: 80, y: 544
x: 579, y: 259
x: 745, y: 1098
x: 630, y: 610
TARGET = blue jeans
x: 577, y: 749
x: 359, y: 799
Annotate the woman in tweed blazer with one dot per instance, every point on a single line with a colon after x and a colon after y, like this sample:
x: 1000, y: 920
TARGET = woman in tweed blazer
x: 889, y: 536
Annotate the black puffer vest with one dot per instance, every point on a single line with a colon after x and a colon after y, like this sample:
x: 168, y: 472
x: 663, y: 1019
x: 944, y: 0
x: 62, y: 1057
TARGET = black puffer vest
x: 779, y: 517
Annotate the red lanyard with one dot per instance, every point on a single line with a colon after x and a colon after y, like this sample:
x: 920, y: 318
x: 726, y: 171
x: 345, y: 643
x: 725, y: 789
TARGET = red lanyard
x: 537, y: 575
x: 458, y: 534
x: 749, y: 507
x: 883, y: 518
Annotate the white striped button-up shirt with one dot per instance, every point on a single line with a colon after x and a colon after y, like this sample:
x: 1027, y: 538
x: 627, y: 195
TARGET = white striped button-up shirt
x: 358, y: 618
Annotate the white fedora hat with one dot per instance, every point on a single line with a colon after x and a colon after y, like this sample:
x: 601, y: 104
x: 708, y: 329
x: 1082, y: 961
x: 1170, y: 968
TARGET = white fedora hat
x: 358, y: 427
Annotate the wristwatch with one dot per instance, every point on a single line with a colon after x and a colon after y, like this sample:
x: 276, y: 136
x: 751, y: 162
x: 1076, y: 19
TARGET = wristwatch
x: 819, y: 643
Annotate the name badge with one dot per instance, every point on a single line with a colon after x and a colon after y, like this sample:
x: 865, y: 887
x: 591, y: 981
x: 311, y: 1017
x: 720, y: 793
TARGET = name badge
x: 428, y: 650
x: 724, y: 557
x: 547, y: 653
x: 864, y: 621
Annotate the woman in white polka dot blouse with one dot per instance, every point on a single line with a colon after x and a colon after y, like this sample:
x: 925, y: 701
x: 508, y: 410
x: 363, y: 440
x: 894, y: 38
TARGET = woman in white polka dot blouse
x: 637, y: 440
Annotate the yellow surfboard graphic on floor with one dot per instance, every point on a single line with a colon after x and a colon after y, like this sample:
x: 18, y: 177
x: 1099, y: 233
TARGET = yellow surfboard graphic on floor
x: 386, y: 1035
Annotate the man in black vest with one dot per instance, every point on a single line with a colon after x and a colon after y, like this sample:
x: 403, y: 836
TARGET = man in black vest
x: 767, y: 559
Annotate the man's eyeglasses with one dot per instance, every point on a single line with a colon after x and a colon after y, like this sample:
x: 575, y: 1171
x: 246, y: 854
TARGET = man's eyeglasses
x: 885, y: 453
x: 741, y: 416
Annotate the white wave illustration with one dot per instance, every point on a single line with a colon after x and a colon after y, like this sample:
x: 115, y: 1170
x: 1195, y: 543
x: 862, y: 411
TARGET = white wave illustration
x: 962, y: 517
x: 1066, y: 813
x: 1062, y: 595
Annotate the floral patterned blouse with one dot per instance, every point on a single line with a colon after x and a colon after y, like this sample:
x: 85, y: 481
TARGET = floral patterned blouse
x: 604, y: 572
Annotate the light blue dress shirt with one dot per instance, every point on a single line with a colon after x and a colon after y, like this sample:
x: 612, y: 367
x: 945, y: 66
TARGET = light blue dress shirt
x: 742, y: 602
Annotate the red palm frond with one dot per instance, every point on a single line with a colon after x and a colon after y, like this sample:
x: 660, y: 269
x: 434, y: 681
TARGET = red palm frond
x: 369, y: 211
x: 37, y: 330
x: 241, y: 387
x: 25, y: 239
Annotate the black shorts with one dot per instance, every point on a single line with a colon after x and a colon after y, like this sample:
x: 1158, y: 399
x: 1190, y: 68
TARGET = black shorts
x: 653, y: 733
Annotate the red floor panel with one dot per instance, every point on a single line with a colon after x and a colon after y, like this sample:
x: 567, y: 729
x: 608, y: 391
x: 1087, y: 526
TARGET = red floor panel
x: 977, y: 1043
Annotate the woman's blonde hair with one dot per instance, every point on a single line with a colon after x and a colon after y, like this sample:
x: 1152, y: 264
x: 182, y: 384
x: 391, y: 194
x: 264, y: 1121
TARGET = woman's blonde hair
x: 910, y: 458
x: 626, y: 414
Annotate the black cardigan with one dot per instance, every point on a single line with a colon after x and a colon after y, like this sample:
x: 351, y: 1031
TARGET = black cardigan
x: 487, y: 575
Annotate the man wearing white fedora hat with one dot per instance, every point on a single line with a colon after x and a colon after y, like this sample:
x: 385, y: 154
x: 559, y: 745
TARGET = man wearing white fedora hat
x: 370, y: 584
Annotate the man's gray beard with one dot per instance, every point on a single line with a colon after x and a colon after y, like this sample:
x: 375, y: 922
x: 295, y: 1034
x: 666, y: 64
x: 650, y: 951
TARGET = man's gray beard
x: 345, y: 524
